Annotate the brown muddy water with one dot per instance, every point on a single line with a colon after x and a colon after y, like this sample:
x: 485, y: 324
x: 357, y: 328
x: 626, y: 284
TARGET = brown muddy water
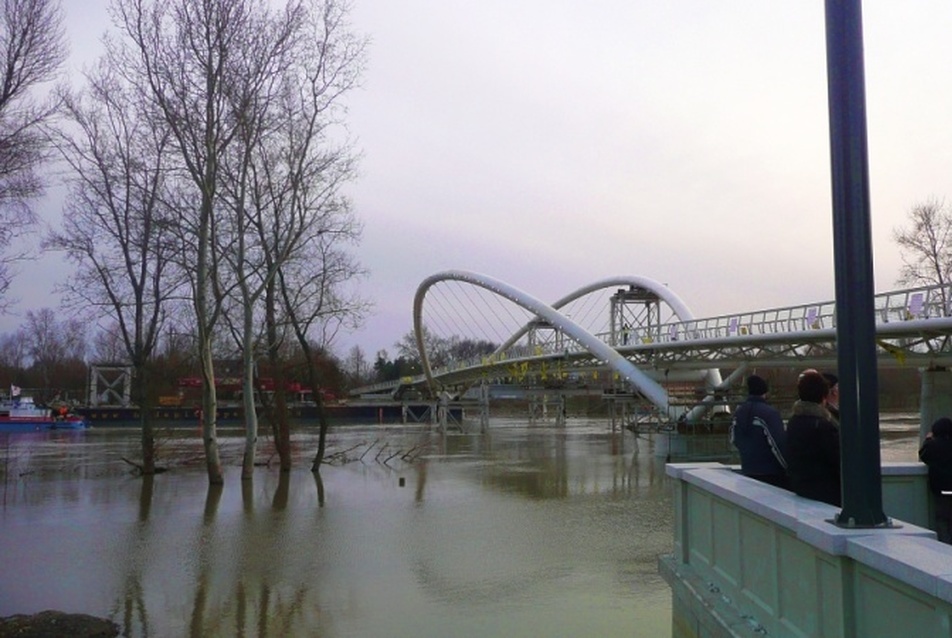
x: 527, y: 530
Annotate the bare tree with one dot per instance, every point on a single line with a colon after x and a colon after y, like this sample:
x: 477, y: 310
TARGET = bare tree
x: 438, y: 348
x: 108, y: 345
x: 32, y: 48
x: 13, y: 350
x: 231, y: 82
x: 117, y: 227
x: 183, y: 55
x: 318, y: 299
x: 255, y: 219
x: 356, y: 367
x: 53, y: 343
x: 288, y: 180
x: 926, y: 247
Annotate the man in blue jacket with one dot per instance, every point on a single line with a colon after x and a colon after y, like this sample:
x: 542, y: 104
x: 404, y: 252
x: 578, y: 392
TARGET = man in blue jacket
x: 758, y: 434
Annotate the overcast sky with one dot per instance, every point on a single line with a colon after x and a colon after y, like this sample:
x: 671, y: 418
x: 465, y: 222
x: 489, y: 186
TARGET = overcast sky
x: 551, y: 143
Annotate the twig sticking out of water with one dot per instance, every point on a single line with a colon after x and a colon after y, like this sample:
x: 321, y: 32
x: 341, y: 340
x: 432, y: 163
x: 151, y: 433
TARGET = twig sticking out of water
x: 411, y: 455
x: 384, y: 453
x: 368, y: 449
x: 341, y: 457
x: 139, y: 468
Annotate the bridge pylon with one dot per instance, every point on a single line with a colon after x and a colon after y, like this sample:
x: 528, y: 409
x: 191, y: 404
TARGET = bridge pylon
x: 635, y: 309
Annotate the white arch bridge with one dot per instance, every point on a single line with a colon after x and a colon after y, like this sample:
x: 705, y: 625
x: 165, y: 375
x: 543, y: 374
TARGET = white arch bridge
x: 637, y: 335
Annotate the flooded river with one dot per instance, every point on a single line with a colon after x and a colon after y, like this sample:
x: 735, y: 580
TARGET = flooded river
x: 529, y: 530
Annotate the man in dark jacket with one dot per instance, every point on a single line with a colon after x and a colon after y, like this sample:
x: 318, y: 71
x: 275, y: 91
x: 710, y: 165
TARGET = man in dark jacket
x: 936, y: 452
x: 813, y: 443
x: 757, y: 433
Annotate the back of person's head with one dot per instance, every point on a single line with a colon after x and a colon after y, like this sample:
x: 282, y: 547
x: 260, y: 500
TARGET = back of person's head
x: 942, y: 428
x: 831, y: 379
x: 756, y: 386
x: 812, y: 387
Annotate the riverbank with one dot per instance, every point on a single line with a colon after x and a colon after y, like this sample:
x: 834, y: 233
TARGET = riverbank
x: 55, y: 624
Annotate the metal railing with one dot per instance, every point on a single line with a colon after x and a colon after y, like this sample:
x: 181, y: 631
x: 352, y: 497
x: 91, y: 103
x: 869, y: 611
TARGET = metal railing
x: 922, y: 303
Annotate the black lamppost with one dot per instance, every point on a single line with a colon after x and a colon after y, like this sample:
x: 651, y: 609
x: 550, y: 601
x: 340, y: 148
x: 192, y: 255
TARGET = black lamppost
x: 853, y: 261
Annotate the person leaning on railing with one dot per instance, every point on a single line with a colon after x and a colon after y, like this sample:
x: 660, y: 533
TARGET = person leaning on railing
x: 757, y: 433
x: 936, y: 452
x: 813, y: 443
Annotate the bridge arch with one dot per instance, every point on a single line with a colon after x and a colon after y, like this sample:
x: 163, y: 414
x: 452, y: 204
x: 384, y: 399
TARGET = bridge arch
x: 648, y: 387
x: 677, y: 305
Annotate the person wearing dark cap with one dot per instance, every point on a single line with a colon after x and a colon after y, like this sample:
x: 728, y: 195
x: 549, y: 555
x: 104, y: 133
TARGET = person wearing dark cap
x: 833, y: 398
x: 936, y: 453
x: 757, y: 433
x: 813, y: 443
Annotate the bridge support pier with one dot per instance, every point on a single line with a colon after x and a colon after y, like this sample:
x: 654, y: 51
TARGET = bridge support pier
x: 935, y: 399
x: 536, y: 408
x: 442, y: 411
x: 484, y: 406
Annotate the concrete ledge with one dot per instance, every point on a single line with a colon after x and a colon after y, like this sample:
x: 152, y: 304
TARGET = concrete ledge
x: 810, y: 520
x: 894, y: 468
x: 773, y: 555
x: 920, y: 562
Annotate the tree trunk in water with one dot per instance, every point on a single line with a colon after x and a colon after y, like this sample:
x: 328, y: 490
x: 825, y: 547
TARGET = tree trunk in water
x: 145, y: 411
x: 209, y: 418
x: 248, y: 386
x: 282, y: 437
x: 279, y: 412
x: 319, y: 483
x: 322, y: 437
x: 251, y: 423
x: 281, y: 494
x: 148, y: 442
x: 321, y: 415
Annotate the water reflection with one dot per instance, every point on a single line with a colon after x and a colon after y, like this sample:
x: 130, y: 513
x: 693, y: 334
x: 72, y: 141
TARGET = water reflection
x: 132, y: 601
x: 519, y: 531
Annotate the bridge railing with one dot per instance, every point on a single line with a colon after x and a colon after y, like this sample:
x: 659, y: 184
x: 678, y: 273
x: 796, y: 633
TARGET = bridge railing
x: 924, y: 302
x: 900, y: 305
x: 772, y: 321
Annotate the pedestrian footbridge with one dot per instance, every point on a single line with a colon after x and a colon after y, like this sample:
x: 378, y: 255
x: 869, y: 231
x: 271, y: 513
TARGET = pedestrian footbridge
x: 639, y: 336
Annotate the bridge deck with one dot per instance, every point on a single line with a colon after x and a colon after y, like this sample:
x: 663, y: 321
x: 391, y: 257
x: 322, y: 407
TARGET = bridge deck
x: 914, y: 327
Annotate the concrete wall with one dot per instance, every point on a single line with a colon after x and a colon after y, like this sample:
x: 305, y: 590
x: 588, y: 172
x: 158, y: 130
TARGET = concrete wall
x: 752, y: 559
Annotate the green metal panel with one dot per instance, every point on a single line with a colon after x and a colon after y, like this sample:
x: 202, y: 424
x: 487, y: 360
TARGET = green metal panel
x: 906, y: 498
x: 726, y: 541
x: 759, y: 558
x: 829, y: 595
x: 679, y: 497
x: 886, y: 608
x: 700, y: 531
x: 799, y: 598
